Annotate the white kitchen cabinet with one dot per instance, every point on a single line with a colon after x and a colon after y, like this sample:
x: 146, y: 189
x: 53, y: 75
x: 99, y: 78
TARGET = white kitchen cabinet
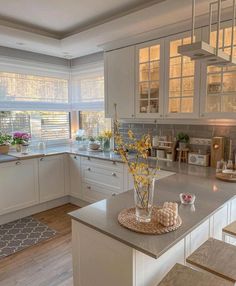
x: 75, y: 176
x: 19, y: 185
x: 150, y: 79
x: 218, y: 221
x: 120, y: 82
x: 51, y: 178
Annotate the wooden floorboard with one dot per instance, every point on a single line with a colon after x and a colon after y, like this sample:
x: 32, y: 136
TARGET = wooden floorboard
x: 48, y: 263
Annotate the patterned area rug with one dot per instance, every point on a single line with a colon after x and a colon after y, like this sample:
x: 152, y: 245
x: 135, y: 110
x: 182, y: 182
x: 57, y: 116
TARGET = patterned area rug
x: 22, y: 233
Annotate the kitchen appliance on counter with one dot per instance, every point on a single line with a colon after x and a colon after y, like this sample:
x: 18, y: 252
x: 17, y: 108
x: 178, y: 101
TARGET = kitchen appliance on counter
x: 199, y: 159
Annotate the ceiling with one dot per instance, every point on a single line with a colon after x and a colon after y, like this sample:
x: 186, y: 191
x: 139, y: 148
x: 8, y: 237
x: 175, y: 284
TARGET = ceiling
x: 60, y: 18
x: 74, y: 28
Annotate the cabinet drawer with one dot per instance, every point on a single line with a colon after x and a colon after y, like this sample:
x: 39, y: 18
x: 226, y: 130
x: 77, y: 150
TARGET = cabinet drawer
x: 109, y: 178
x: 94, y: 192
x: 116, y: 166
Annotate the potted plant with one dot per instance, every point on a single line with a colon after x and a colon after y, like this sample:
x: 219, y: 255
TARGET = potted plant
x: 93, y: 145
x: 5, y: 141
x: 20, y: 138
x: 183, y: 140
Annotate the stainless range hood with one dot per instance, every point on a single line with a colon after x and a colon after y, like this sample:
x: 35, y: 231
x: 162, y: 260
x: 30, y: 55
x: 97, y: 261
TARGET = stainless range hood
x: 203, y: 51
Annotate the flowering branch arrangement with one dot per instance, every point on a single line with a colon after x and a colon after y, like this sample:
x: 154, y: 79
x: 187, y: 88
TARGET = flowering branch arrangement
x: 20, y: 138
x: 138, y: 165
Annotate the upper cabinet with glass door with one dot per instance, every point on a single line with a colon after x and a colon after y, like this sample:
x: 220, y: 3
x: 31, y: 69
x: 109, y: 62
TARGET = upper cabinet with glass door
x: 219, y: 83
x: 182, y: 80
x: 149, y: 83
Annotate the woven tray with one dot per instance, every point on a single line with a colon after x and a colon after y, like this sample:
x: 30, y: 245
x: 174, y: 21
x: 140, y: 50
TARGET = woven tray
x: 128, y: 220
x: 226, y: 177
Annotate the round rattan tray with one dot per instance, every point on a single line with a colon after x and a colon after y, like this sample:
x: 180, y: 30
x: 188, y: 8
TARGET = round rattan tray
x: 128, y: 220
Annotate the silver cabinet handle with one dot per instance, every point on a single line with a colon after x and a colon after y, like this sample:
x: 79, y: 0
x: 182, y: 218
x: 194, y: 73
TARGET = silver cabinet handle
x: 113, y: 194
x: 88, y: 187
x: 113, y: 174
x: 114, y: 162
x: 89, y: 169
x: 88, y: 158
x: 75, y: 157
x: 18, y: 163
x: 41, y: 159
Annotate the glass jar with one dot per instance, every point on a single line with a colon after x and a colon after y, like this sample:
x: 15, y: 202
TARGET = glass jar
x: 25, y: 149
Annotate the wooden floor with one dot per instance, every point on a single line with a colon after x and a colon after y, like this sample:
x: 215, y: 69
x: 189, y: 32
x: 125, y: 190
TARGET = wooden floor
x: 45, y: 264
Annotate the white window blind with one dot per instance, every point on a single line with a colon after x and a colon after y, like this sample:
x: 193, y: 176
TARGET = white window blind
x: 43, y: 125
x: 88, y: 87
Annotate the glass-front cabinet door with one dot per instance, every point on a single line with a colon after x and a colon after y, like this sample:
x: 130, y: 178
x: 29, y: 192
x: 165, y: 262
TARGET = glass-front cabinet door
x: 149, y: 79
x: 219, y: 82
x: 181, y: 81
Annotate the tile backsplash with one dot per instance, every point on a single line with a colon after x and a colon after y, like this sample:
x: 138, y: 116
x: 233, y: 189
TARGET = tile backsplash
x: 196, y: 131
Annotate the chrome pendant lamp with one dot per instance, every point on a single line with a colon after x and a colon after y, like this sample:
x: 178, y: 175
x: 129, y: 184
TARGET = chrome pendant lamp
x: 203, y: 51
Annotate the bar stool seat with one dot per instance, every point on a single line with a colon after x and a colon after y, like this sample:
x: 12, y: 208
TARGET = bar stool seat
x: 181, y: 275
x: 229, y: 230
x: 217, y: 257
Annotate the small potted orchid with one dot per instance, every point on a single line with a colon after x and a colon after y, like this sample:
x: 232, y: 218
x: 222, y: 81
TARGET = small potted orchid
x: 5, y: 141
x: 20, y: 139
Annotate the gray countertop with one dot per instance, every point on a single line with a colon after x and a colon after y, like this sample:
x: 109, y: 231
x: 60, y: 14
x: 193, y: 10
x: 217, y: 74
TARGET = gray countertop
x: 6, y: 158
x: 210, y: 193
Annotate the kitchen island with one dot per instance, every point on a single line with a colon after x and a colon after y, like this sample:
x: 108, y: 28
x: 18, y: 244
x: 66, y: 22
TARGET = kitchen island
x: 105, y: 253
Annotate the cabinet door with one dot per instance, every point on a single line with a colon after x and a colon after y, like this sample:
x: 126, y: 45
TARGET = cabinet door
x: 150, y: 79
x: 75, y: 177
x: 51, y: 178
x: 218, y: 88
x: 119, y: 82
x: 182, y: 80
x: 218, y: 221
x: 19, y: 185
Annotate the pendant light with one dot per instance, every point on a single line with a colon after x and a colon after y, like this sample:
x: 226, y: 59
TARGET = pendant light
x: 203, y: 51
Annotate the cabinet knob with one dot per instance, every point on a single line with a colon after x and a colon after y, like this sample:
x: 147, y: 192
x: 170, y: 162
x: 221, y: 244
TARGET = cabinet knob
x: 113, y: 194
x: 114, y: 162
x: 18, y: 163
x: 132, y: 115
x: 89, y: 169
x: 41, y: 159
x: 88, y: 158
x: 88, y: 187
x: 113, y: 174
x: 75, y: 157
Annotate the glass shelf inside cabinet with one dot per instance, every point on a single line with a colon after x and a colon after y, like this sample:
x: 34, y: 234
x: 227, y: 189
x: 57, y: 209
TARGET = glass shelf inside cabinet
x: 149, y: 69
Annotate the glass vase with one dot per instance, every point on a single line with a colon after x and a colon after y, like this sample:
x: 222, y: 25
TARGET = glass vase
x: 106, y: 144
x: 143, y: 198
x: 18, y: 147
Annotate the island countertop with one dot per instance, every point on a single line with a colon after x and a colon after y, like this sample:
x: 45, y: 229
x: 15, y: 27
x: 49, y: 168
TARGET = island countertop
x: 211, y: 195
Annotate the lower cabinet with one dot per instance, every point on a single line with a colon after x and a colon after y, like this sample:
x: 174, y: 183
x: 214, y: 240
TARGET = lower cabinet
x: 51, y: 178
x: 19, y: 185
x: 75, y: 176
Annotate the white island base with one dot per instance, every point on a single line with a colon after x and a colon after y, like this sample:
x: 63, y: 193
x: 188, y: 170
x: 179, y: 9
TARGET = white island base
x: 99, y: 260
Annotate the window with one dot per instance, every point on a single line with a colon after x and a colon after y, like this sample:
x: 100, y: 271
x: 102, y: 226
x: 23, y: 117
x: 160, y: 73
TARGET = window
x: 94, y: 123
x: 43, y: 125
x: 88, y: 88
x: 21, y: 87
x: 181, y: 79
x: 221, y: 81
x: 149, y: 80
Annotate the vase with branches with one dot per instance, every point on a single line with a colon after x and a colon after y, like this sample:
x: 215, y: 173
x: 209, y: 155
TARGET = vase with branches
x: 144, y: 177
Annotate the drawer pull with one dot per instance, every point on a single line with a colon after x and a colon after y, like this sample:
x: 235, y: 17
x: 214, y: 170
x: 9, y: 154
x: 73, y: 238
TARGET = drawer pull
x: 88, y: 158
x: 41, y: 159
x: 89, y: 169
x: 75, y: 157
x: 18, y: 163
x: 114, y: 194
x: 114, y: 163
x: 113, y: 174
x: 88, y: 187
